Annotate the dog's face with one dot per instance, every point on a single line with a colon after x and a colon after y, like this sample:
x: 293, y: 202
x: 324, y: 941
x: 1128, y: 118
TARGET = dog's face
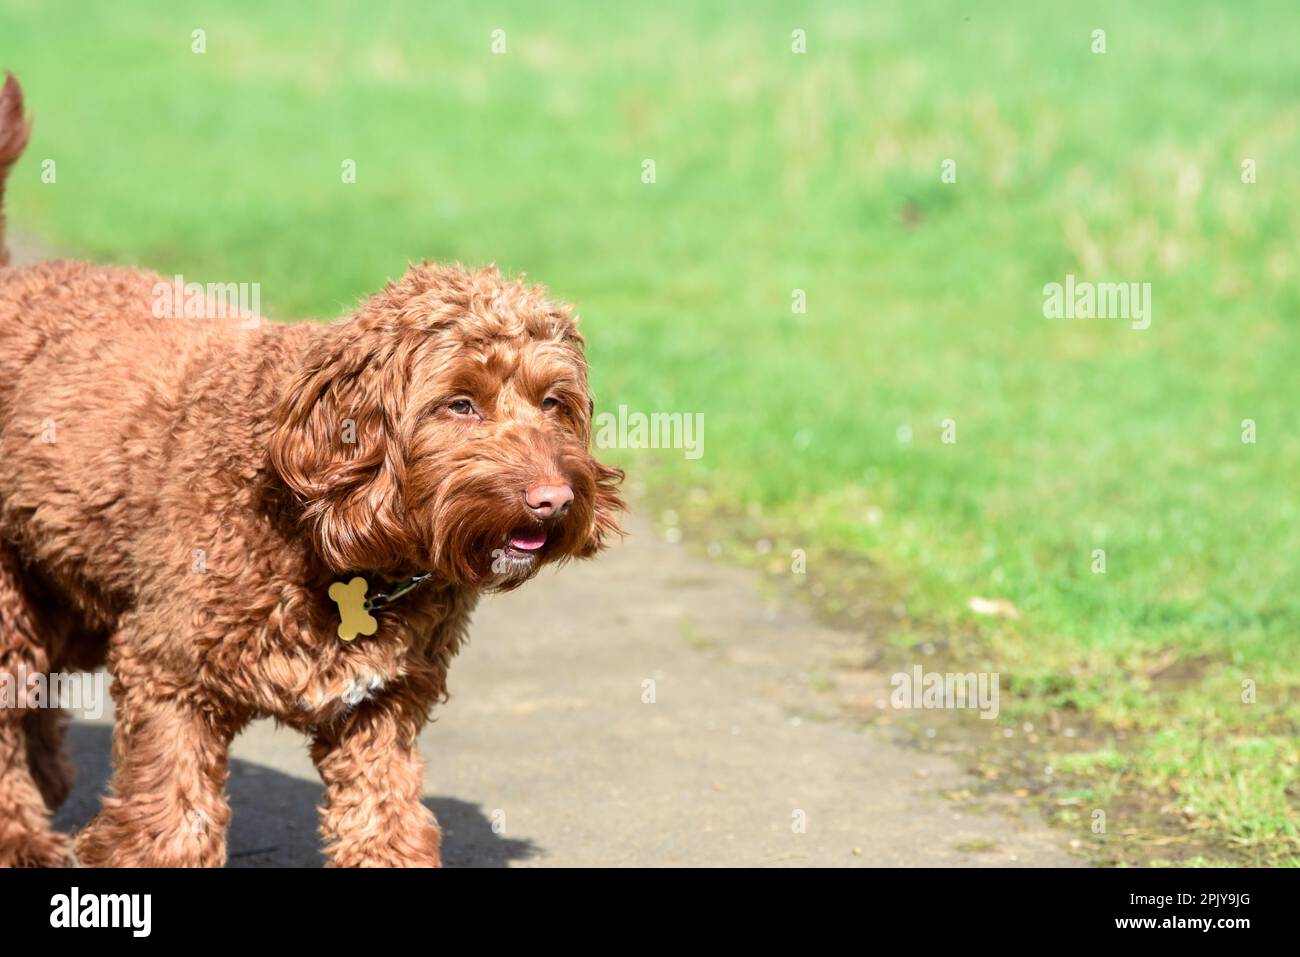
x: 446, y: 427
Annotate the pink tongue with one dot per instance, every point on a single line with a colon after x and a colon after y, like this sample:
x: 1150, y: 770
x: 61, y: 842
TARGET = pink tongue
x: 529, y: 541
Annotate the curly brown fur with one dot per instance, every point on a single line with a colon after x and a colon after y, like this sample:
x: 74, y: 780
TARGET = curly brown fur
x: 178, y: 495
x: 15, y: 128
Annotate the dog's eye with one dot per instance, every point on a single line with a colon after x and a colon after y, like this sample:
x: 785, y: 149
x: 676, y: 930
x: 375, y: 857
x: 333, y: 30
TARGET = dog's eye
x: 549, y: 403
x: 462, y: 407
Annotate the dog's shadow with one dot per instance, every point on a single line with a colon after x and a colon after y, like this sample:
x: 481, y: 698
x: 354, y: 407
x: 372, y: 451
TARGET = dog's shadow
x: 273, y: 822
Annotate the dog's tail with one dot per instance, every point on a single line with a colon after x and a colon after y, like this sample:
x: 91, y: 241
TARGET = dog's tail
x: 14, y: 130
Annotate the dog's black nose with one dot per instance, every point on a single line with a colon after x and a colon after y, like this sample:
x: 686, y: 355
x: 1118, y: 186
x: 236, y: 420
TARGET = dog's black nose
x: 548, y: 501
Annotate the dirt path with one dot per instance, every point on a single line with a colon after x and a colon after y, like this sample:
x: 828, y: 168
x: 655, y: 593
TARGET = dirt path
x: 547, y: 754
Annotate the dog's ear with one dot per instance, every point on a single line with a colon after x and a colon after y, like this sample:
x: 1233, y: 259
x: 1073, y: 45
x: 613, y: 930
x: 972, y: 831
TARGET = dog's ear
x: 606, y: 508
x: 607, y: 503
x: 334, y: 445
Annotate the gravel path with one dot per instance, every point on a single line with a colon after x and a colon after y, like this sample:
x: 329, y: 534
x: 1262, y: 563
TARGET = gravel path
x: 548, y: 754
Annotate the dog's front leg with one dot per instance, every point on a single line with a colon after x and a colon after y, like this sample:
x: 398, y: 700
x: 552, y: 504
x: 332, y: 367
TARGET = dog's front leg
x: 167, y: 807
x: 374, y: 779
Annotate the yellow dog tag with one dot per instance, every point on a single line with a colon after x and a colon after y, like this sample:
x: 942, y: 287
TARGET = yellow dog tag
x: 354, y: 618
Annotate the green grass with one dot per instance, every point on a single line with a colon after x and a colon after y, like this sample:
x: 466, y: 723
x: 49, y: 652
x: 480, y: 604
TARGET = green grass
x: 818, y: 172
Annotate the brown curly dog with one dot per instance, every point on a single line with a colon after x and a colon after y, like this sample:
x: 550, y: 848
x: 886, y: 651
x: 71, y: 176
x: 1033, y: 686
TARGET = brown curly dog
x: 178, y: 496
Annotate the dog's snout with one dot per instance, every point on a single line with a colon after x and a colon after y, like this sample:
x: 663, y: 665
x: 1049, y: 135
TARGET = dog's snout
x: 548, y: 501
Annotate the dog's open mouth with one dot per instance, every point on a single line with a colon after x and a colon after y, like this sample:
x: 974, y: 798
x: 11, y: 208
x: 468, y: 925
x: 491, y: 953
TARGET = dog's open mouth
x: 526, y: 542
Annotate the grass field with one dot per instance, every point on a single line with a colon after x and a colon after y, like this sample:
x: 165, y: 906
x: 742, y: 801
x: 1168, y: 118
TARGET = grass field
x: 819, y: 172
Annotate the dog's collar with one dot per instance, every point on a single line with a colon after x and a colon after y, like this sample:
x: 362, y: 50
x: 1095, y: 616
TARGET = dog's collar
x: 355, y: 608
x: 400, y: 589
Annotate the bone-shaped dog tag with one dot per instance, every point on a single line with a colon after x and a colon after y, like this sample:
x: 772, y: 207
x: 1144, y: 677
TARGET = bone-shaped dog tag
x: 354, y: 619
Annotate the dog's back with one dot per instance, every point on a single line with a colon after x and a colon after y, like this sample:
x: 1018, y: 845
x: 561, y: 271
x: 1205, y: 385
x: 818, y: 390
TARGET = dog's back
x: 89, y: 384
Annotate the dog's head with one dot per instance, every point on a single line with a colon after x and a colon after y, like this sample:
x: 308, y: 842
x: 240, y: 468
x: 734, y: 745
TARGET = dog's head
x: 446, y: 427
